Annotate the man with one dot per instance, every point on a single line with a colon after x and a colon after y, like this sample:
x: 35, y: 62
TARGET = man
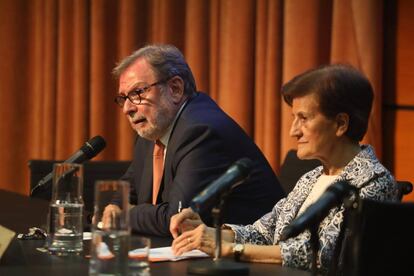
x: 185, y: 142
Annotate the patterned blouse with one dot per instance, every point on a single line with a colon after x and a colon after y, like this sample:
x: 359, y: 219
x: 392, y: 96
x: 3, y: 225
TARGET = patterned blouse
x: 364, y: 171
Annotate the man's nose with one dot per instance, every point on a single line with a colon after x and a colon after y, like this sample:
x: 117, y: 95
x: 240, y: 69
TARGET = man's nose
x: 128, y: 107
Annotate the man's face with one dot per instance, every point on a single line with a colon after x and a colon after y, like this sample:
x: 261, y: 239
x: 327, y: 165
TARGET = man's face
x: 151, y: 118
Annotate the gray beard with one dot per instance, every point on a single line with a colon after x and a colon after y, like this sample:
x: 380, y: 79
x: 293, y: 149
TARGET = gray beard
x: 163, y: 120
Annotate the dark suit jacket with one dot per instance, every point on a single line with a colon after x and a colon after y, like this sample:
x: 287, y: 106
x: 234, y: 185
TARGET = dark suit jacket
x: 204, y: 142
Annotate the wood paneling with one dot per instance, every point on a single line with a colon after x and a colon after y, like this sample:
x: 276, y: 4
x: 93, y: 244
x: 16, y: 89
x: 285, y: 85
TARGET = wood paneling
x: 398, y: 124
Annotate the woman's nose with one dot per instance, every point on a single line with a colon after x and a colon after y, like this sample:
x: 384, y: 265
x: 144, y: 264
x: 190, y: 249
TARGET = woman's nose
x: 294, y: 128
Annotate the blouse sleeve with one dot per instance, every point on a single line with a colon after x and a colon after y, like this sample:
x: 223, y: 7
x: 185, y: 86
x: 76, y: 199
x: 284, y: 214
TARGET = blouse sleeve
x: 261, y: 232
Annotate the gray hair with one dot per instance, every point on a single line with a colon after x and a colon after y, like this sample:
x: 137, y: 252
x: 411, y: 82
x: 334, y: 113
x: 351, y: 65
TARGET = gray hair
x: 166, y: 61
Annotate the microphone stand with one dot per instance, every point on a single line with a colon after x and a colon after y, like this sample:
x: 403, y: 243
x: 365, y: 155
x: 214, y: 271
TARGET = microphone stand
x: 314, y: 238
x: 344, y: 248
x: 218, y: 266
x: 314, y: 241
x: 216, y: 213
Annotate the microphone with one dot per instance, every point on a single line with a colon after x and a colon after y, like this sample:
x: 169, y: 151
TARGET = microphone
x: 233, y: 177
x: 314, y: 214
x: 89, y: 150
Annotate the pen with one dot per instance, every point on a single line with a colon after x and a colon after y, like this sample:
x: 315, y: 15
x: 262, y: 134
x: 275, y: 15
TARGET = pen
x: 180, y: 206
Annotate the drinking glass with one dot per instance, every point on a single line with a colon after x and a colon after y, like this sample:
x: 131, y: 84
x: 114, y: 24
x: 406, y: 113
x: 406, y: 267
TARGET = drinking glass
x: 65, y: 228
x: 139, y: 256
x: 110, y: 229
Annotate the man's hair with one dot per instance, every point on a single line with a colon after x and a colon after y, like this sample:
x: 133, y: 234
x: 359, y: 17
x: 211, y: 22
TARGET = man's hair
x: 166, y: 61
x: 339, y: 88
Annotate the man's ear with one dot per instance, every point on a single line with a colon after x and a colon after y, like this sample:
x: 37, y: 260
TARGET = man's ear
x: 342, y: 122
x: 176, y: 85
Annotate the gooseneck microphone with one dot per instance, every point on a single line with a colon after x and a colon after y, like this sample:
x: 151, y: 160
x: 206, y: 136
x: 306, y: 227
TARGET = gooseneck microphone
x: 212, y: 194
x: 233, y: 177
x: 333, y: 196
x: 89, y: 150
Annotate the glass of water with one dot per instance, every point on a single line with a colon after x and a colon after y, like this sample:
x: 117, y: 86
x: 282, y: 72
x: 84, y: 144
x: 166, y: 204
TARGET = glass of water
x: 65, y: 228
x: 139, y: 256
x: 110, y: 229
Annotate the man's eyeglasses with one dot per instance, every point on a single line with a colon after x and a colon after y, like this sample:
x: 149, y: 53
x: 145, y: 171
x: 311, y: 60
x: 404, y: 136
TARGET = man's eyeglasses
x: 135, y: 95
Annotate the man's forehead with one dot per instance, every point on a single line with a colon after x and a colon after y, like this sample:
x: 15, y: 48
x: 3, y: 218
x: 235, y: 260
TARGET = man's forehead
x: 138, y: 72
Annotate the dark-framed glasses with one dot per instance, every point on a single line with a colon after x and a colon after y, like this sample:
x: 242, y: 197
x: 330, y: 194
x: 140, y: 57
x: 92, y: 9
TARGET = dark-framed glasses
x: 135, y: 95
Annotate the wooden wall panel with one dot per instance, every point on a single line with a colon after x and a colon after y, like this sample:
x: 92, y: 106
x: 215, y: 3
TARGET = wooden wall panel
x: 404, y: 147
x: 398, y: 125
x: 405, y: 53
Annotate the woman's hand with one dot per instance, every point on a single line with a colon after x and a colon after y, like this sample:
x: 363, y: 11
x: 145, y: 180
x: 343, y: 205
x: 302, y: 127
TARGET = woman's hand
x: 184, y: 221
x: 202, y: 238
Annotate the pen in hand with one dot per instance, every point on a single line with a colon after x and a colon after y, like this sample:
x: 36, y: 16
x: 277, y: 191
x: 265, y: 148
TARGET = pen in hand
x: 185, y: 220
x: 180, y: 206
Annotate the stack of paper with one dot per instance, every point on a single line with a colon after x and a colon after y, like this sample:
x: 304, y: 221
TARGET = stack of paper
x: 162, y: 254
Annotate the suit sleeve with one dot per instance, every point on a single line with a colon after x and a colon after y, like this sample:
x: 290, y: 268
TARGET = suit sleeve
x: 129, y: 176
x: 199, y: 158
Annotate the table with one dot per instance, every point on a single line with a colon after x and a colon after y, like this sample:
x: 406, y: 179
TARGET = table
x: 18, y: 213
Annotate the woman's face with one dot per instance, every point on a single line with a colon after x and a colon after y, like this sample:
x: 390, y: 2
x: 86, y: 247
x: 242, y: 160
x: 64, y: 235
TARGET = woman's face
x: 316, y: 134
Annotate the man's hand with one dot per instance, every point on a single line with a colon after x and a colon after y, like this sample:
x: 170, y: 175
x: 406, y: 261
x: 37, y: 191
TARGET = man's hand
x: 108, y: 218
x: 186, y: 220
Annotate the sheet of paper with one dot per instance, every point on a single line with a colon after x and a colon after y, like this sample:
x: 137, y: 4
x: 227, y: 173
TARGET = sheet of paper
x: 162, y: 254
x: 6, y: 235
x: 87, y: 236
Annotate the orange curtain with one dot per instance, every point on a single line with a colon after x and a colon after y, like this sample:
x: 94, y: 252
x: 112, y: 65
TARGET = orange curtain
x: 57, y: 56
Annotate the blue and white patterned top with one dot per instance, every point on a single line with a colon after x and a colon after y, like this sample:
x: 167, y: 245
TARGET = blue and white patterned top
x: 364, y: 172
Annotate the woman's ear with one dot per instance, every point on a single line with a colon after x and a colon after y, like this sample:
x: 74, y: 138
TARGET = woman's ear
x: 342, y: 121
x: 176, y: 85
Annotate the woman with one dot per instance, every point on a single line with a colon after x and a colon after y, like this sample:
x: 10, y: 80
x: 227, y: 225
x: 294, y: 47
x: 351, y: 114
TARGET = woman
x: 330, y: 107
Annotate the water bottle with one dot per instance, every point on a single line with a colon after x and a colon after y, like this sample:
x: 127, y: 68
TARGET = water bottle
x: 65, y: 229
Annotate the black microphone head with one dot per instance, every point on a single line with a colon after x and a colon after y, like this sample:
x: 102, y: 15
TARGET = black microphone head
x: 333, y: 196
x: 93, y: 146
x: 234, y: 176
x: 245, y: 165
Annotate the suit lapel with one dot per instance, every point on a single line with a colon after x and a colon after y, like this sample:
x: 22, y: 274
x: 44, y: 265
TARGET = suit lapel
x: 168, y: 176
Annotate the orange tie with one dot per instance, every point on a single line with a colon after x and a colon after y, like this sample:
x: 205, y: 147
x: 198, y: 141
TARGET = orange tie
x: 158, y: 168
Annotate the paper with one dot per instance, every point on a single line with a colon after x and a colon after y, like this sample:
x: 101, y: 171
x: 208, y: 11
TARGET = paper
x: 6, y: 235
x: 87, y: 236
x: 162, y: 254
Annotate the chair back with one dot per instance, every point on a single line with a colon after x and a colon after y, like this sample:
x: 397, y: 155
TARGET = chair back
x: 404, y: 188
x: 379, y: 239
x: 293, y: 168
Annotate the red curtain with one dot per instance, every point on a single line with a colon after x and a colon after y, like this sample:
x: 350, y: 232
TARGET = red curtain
x: 57, y: 55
